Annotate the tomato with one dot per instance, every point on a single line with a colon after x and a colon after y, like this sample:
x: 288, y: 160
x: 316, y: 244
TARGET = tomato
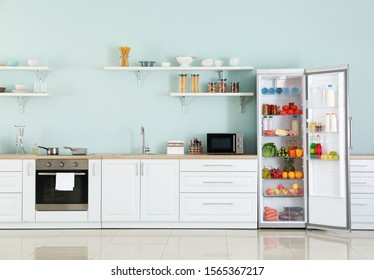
x: 298, y: 112
x: 293, y: 107
x: 286, y: 108
x: 282, y: 113
x: 290, y: 112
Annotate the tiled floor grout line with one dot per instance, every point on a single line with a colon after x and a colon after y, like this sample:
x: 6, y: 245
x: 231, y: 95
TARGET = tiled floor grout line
x: 167, y: 242
x: 227, y: 245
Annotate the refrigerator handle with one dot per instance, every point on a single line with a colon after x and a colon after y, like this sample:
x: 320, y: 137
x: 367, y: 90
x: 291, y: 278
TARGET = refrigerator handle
x: 350, y: 132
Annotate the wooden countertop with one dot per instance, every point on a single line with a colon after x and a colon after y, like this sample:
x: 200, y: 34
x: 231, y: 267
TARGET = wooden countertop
x: 128, y: 156
x: 370, y: 157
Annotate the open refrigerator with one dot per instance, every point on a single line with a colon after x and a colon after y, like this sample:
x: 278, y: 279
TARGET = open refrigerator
x: 303, y: 148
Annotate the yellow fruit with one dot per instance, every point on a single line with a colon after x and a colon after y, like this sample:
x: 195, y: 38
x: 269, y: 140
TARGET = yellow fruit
x: 275, y: 191
x: 324, y: 157
x: 284, y: 175
x: 331, y: 157
x: 291, y: 174
x: 295, y: 186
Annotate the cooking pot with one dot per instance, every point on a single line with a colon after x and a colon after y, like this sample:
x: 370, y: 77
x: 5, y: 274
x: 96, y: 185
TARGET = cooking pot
x: 50, y: 151
x: 77, y: 151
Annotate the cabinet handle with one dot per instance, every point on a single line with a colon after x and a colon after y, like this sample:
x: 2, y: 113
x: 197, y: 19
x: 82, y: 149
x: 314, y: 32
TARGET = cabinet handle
x: 142, y: 169
x: 211, y: 182
x: 223, y: 165
x: 350, y: 132
x: 360, y: 204
x: 218, y: 203
x: 137, y: 169
x: 94, y: 169
x: 54, y: 174
x: 30, y: 170
x: 359, y: 183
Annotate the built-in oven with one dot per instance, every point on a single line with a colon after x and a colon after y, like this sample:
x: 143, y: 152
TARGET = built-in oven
x: 49, y: 175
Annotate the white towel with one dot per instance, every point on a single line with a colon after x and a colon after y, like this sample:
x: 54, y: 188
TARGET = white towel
x: 65, y: 181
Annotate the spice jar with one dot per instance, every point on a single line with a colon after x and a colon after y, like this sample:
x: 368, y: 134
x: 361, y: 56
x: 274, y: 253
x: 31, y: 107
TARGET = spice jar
x: 212, y: 87
x: 194, y: 83
x: 182, y: 82
x: 222, y: 85
x: 234, y: 87
x: 265, y: 109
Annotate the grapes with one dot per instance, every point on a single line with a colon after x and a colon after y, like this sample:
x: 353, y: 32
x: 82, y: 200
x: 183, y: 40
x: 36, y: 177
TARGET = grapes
x: 266, y: 173
x: 272, y: 173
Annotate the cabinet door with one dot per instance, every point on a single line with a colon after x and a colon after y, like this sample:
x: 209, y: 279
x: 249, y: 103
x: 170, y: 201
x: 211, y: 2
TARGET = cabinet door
x: 10, y: 207
x: 160, y: 190
x: 10, y: 182
x: 94, y: 192
x: 28, y: 201
x: 120, y: 190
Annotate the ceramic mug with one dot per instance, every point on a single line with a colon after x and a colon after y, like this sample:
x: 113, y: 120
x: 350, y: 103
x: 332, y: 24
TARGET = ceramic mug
x: 218, y: 63
x: 234, y: 62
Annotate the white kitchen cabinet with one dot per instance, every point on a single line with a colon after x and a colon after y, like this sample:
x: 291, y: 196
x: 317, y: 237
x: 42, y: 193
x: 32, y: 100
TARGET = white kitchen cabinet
x: 94, y: 192
x: 219, y: 191
x: 120, y: 190
x: 28, y: 201
x: 10, y: 190
x: 160, y: 190
x: 362, y: 194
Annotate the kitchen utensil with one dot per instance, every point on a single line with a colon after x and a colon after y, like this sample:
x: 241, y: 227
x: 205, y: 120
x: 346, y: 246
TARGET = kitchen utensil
x: 147, y: 63
x: 50, y: 151
x: 77, y: 151
x: 185, y: 61
x: 2, y: 89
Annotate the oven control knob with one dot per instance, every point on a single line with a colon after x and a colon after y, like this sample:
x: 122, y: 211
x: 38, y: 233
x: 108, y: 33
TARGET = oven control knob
x: 61, y: 164
x: 239, y: 146
x: 75, y: 164
x: 48, y: 164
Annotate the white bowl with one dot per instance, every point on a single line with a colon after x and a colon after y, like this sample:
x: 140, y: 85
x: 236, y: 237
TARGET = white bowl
x: 185, y: 60
x: 165, y: 64
x: 207, y: 62
x: 20, y: 87
x: 32, y: 62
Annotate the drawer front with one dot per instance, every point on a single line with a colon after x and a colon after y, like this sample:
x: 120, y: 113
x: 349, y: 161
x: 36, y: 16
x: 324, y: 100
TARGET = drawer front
x: 10, y: 165
x: 362, y: 182
x: 221, y: 165
x: 10, y: 182
x: 362, y: 165
x: 218, y: 207
x: 10, y: 207
x: 362, y: 208
x: 218, y: 182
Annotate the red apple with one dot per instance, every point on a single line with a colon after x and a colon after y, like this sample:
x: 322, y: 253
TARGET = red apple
x: 269, y: 191
x: 285, y: 191
x: 299, y: 191
x: 292, y: 192
x: 280, y: 187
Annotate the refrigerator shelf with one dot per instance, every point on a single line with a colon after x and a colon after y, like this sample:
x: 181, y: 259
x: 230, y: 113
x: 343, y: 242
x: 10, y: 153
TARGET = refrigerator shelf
x: 286, y: 136
x: 283, y: 157
x: 281, y: 179
x: 282, y: 196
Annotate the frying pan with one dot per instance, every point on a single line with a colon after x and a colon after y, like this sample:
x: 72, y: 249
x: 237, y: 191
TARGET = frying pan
x: 50, y: 151
x: 77, y: 151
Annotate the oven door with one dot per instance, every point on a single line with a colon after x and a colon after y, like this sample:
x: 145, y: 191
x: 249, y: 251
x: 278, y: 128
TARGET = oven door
x: 50, y: 199
x: 221, y: 143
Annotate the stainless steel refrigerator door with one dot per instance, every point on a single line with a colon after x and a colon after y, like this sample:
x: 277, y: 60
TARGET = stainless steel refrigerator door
x: 328, y: 175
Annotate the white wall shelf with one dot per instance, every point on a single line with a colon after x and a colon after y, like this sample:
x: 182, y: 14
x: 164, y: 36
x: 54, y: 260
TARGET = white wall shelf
x: 183, y: 95
x: 40, y: 73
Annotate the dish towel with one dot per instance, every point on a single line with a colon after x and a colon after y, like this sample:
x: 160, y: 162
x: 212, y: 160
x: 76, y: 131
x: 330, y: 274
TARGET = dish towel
x: 65, y: 181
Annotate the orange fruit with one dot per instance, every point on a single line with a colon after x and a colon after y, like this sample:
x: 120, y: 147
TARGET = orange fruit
x: 291, y: 174
x: 298, y: 174
x: 284, y: 175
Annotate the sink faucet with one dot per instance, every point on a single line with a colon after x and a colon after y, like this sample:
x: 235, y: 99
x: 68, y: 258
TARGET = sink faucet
x: 145, y: 148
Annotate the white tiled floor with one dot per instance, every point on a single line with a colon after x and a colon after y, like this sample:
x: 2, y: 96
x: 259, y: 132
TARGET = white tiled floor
x: 176, y: 244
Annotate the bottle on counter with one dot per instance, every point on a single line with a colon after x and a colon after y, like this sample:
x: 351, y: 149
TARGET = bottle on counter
x: 330, y: 96
x: 35, y: 149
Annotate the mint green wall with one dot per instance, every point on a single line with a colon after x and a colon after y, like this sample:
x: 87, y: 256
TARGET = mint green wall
x: 104, y: 110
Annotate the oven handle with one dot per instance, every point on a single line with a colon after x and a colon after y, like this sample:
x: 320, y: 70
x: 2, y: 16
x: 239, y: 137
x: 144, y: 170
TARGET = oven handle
x: 54, y: 174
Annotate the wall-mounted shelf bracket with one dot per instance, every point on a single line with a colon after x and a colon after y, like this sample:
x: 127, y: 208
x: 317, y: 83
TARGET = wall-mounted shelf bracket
x: 139, y: 79
x: 21, y: 103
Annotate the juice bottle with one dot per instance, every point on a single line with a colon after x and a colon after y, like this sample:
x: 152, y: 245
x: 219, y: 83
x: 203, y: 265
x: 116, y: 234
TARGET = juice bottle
x: 312, y: 148
x: 318, y: 148
x: 289, y: 148
x: 294, y: 148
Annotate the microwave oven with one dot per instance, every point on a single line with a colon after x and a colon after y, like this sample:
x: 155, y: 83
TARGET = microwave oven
x: 224, y: 143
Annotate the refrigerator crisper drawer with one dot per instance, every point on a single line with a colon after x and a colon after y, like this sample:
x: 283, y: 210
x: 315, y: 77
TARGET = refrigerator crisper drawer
x: 283, y: 213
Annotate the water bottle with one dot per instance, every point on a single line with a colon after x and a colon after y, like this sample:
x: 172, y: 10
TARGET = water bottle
x: 327, y: 123
x: 265, y: 124
x: 330, y: 96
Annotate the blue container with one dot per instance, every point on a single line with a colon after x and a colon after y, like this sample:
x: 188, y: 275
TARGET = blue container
x: 13, y: 63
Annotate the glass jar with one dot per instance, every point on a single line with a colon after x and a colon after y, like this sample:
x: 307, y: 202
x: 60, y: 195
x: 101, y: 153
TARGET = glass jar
x: 182, y: 82
x: 194, y: 83
x: 212, y: 87
x: 222, y: 85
